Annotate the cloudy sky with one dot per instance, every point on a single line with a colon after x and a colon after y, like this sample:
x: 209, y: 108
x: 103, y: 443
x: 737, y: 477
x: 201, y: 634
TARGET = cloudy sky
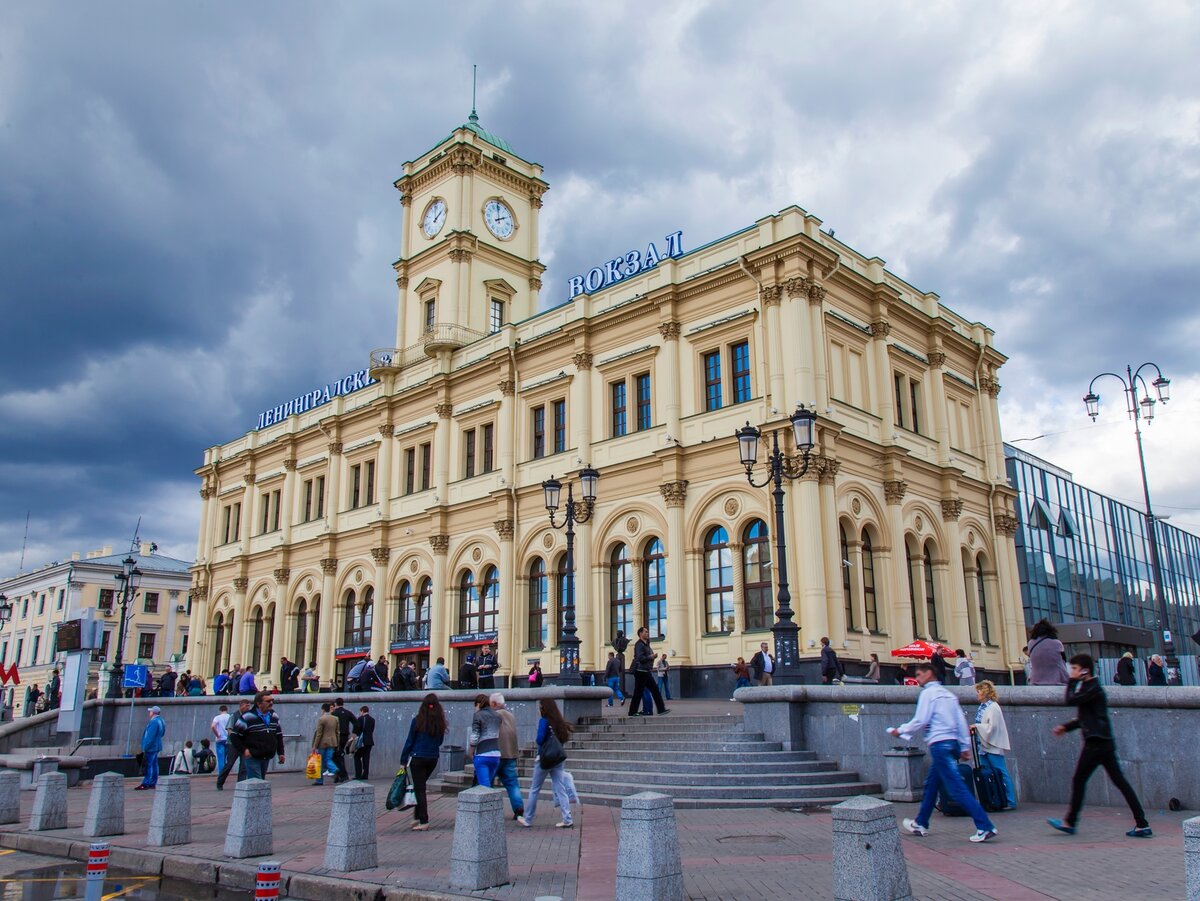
x: 197, y: 220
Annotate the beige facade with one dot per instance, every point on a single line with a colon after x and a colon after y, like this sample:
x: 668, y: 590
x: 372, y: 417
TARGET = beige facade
x: 418, y: 498
x: 158, y: 616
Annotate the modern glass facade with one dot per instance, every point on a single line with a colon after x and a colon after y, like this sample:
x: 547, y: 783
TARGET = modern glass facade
x: 1085, y: 558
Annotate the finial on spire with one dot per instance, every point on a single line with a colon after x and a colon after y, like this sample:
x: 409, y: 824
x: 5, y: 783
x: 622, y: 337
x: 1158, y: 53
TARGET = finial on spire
x: 474, y: 117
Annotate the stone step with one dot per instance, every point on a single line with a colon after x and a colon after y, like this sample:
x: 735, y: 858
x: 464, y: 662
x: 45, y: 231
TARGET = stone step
x: 729, y: 766
x: 748, y: 756
x: 635, y: 737
x: 782, y: 801
x: 762, y: 793
x: 648, y: 745
x: 650, y: 722
x: 668, y: 781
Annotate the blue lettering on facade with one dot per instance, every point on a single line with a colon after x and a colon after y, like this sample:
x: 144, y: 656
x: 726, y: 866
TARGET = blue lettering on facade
x: 623, y: 267
x: 356, y: 381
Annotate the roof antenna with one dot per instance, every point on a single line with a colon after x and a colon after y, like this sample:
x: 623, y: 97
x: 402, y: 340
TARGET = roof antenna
x: 474, y: 117
x: 136, y: 544
x: 24, y: 542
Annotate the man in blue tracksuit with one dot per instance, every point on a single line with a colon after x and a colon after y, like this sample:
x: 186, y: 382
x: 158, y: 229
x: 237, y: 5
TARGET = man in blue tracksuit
x: 152, y: 745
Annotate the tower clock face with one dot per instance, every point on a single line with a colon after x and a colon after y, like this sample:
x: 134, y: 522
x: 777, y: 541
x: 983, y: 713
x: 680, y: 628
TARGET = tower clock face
x: 434, y: 218
x: 499, y: 219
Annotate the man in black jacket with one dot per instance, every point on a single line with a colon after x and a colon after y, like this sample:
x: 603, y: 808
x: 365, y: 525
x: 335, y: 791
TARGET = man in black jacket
x: 365, y: 727
x: 346, y: 723
x: 831, y: 670
x: 260, y: 737
x: 1099, y: 748
x: 643, y: 676
x: 468, y: 676
x: 485, y: 668
x: 236, y: 748
x: 762, y: 666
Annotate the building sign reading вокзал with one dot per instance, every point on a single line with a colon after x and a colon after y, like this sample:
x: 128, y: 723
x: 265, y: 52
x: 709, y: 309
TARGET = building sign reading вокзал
x: 315, y: 398
x: 625, y: 266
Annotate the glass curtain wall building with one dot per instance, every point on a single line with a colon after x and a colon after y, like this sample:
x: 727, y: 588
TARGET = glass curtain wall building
x: 1084, y: 564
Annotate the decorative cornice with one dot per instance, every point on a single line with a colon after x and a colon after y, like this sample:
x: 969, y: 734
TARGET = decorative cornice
x: 381, y: 554
x: 880, y: 328
x: 816, y: 293
x: 504, y: 528
x: 439, y: 543
x: 670, y: 330
x: 583, y: 360
x: 894, y: 490
x: 952, y: 508
x: 535, y: 283
x: 674, y: 494
x: 329, y: 565
x: 335, y: 448
x: 241, y: 583
x: 796, y: 286
x: 282, y: 575
x: 387, y: 430
x: 771, y: 295
x: 289, y: 464
x: 1006, y: 523
x: 444, y: 410
x: 937, y: 359
x: 206, y: 493
x: 990, y: 385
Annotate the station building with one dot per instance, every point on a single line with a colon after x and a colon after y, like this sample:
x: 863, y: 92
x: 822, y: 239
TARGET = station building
x: 400, y: 511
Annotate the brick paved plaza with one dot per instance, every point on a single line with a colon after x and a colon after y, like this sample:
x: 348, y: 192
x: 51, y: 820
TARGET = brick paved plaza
x: 727, y: 854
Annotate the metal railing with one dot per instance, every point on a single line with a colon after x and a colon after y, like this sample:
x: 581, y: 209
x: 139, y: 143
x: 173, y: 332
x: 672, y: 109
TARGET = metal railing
x: 444, y: 336
x: 410, y: 632
x: 397, y: 357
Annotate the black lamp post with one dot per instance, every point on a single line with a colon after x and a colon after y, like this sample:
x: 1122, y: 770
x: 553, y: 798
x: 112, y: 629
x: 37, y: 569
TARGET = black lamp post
x: 780, y: 466
x: 1141, y: 406
x: 129, y: 577
x: 576, y: 512
x: 6, y: 610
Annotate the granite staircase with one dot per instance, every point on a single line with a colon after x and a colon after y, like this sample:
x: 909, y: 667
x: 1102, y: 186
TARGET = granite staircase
x: 702, y: 761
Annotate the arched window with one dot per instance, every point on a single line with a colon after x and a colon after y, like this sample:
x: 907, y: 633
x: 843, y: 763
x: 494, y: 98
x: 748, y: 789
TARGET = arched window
x: 468, y: 603
x: 490, y: 611
x: 356, y: 632
x: 406, y: 621
x: 314, y: 629
x: 536, y: 637
x: 620, y: 593
x: 870, y: 599
x: 300, y: 652
x: 424, y: 607
x: 984, y: 629
x: 847, y: 592
x: 912, y: 589
x: 718, y: 581
x: 219, y: 643
x: 654, y: 588
x: 367, y: 616
x: 256, y: 641
x: 930, y: 594
x: 756, y: 575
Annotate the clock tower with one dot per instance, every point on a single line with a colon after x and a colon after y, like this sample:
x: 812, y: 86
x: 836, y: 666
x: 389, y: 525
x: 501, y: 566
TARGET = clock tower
x: 469, y: 262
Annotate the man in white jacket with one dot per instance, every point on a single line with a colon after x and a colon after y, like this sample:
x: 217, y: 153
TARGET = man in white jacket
x: 941, y: 722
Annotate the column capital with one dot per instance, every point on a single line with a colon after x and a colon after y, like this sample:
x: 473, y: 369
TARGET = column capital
x: 381, y: 555
x: 990, y: 385
x: 504, y: 528
x: 439, y: 543
x: 459, y: 255
x: 508, y: 387
x: 674, y: 494
x: 335, y: 448
x: 771, y: 295
x: 1006, y: 523
x: 880, y: 328
x: 249, y: 478
x: 329, y: 565
x: 816, y: 293
x: 535, y: 201
x: 535, y: 283
x: 289, y: 464
x: 937, y: 359
x: 796, y: 286
x: 583, y: 360
x: 406, y: 199
x: 206, y: 493
x: 240, y: 584
x: 282, y: 575
x: 670, y: 330
x: 387, y: 430
x: 200, y: 593
x: 444, y: 410
x: 402, y: 282
x: 894, y: 490
x: 952, y: 508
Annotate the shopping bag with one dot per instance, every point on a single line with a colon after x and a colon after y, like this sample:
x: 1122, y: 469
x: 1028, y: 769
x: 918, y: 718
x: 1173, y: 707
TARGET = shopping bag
x: 396, y: 794
x: 312, y: 768
x: 410, y: 799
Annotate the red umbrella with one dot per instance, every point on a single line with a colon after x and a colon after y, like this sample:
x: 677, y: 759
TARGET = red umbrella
x: 923, y: 650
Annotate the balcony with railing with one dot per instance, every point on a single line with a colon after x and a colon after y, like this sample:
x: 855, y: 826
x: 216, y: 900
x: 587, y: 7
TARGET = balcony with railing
x: 439, y: 337
x: 410, y: 634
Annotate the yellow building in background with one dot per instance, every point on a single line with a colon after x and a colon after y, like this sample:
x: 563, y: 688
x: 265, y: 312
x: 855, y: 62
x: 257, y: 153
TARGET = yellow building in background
x: 400, y: 510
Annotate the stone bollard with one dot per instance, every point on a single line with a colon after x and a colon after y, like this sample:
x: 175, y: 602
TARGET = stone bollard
x: 10, y: 797
x: 905, y: 769
x: 350, y: 844
x: 648, y: 864
x: 250, y: 832
x: 1191, y: 857
x: 171, y: 815
x: 106, y: 806
x: 868, y: 863
x: 50, y: 803
x: 479, y: 857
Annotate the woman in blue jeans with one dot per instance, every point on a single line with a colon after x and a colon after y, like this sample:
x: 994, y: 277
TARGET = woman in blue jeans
x: 990, y: 729
x: 552, y: 720
x: 485, y: 741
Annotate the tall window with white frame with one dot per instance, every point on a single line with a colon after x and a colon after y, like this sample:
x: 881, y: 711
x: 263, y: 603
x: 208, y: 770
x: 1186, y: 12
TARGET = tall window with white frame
x: 740, y: 352
x: 620, y: 592
x: 488, y: 462
x: 847, y: 587
x: 931, y: 593
x: 645, y: 410
x: 536, y: 636
x: 469, y: 453
x: 985, y: 631
x: 430, y: 314
x: 756, y: 575
x: 410, y: 470
x: 539, y: 432
x: 560, y: 426
x: 870, y: 597
x: 654, y: 587
x: 619, y: 424
x: 718, y: 581
x: 712, y: 381
x: 496, y: 320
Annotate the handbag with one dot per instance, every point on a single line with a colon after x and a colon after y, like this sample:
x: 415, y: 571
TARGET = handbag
x: 312, y: 768
x: 400, y: 788
x: 551, y: 753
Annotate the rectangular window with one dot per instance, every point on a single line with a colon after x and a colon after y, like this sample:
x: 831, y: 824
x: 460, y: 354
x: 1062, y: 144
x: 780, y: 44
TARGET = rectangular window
x: 276, y: 503
x: 37, y: 647
x: 913, y: 388
x: 539, y: 432
x: 469, y: 453
x: 645, y: 416
x: 355, y: 486
x: 741, y: 372
x: 264, y: 502
x: 497, y: 318
x: 103, y: 649
x: 618, y: 409
x: 41, y: 604
x: 489, y: 447
x: 146, y: 645
x: 183, y: 650
x: 4, y: 653
x: 898, y: 381
x: 410, y: 470
x: 150, y: 602
x: 20, y: 651
x: 369, y: 496
x: 233, y: 522
x: 426, y: 465
x: 106, y: 599
x: 430, y: 313
x: 25, y: 608
x: 712, y: 380
x: 308, y: 500
x: 560, y: 426
x: 320, y: 496
x: 61, y: 596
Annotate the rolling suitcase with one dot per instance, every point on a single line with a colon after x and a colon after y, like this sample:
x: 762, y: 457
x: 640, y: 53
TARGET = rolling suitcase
x: 989, y: 782
x: 945, y: 803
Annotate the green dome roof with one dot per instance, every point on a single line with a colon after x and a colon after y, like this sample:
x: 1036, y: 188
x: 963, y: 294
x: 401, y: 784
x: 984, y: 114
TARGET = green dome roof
x: 472, y: 124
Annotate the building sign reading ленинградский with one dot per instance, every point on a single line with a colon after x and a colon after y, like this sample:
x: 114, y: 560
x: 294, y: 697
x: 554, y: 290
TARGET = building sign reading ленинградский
x: 310, y: 399
x: 623, y: 267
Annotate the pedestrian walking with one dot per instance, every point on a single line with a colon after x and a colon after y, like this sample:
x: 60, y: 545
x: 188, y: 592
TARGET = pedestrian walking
x: 1125, y: 674
x: 549, y: 762
x: 535, y: 675
x: 438, y: 677
x: 1099, y: 747
x: 873, y: 669
x: 831, y: 669
x: 234, y: 753
x: 1156, y: 673
x: 485, y: 668
x: 1047, y: 657
x: 289, y: 676
x: 940, y: 720
x: 619, y: 645
x: 219, y: 727
x: 507, y: 773
x: 152, y: 745
x: 989, y: 727
x: 663, y: 669
x: 311, y: 679
x: 420, y: 753
x: 762, y: 665
x: 643, y: 678
x: 741, y: 673
x: 261, y: 737
x: 325, y: 741
x: 612, y: 678
x: 964, y: 669
x: 345, y: 727
x: 484, y: 741
x: 381, y: 674
x: 364, y: 732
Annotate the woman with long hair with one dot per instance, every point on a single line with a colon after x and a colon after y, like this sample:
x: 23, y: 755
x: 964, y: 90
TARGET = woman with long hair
x: 550, y: 724
x: 484, y: 741
x: 990, y: 729
x: 1047, y: 657
x: 421, y: 750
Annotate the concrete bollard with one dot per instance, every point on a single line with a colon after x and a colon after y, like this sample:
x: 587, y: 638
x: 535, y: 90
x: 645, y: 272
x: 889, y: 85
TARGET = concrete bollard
x: 50, y: 803
x: 905, y: 769
x: 648, y: 864
x: 350, y: 844
x: 10, y: 797
x: 868, y: 863
x: 251, y: 826
x: 1191, y: 857
x: 479, y: 856
x: 106, y: 806
x: 171, y: 815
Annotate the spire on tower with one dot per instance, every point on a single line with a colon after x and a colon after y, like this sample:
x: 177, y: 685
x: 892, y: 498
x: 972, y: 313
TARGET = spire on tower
x: 474, y: 117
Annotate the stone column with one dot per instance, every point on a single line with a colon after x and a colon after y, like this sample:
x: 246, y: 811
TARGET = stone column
x: 771, y: 296
x: 289, y: 499
x: 383, y: 479
x: 171, y: 815
x: 898, y: 603
x: 333, y: 486
x: 868, y: 862
x: 806, y: 546
x: 884, y: 393
x: 680, y: 629
x: 958, y: 629
x: 509, y: 646
x: 383, y: 609
x: 10, y: 797
x: 327, y: 619
x: 280, y: 637
x: 816, y: 316
x: 251, y: 824
x: 197, y: 654
x: 247, y: 524
x: 800, y: 338
x: 835, y: 605
x: 1008, y: 601
x: 479, y: 854
x: 50, y: 803
x: 590, y: 611
x: 441, y: 452
x: 506, y: 431
x: 669, y: 331
x: 106, y: 806
x: 439, y: 616
x: 739, y: 588
x: 648, y: 861
x: 350, y: 842
x: 937, y: 403
x: 241, y: 622
x: 207, y: 514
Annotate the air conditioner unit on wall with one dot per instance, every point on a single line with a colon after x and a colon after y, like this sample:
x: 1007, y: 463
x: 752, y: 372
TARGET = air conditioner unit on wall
x: 179, y: 608
x: 108, y: 611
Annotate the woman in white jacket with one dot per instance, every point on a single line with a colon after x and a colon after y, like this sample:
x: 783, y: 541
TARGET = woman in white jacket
x: 993, y: 735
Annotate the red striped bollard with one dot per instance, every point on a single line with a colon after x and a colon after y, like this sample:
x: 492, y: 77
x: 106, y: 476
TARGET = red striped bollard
x: 97, y: 869
x: 266, y: 883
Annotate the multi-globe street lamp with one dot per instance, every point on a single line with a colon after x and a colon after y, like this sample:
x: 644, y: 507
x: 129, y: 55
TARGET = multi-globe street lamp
x: 6, y: 610
x: 1141, y: 406
x: 781, y: 466
x: 577, y: 512
x: 129, y: 578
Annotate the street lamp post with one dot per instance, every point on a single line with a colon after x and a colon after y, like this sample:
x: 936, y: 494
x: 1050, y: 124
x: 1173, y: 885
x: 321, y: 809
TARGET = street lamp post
x: 1141, y: 406
x: 129, y: 577
x: 6, y: 610
x: 780, y: 466
x: 577, y: 512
